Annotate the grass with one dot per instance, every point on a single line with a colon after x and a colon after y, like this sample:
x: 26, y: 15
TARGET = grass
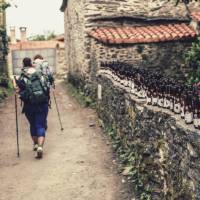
x: 84, y: 101
x: 6, y: 88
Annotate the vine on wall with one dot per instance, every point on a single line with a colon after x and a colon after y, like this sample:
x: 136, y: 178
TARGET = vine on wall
x: 193, y: 60
x: 4, y: 6
x: 3, y: 33
x: 3, y: 43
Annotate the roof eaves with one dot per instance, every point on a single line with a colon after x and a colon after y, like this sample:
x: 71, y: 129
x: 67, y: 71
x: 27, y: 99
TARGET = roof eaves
x: 145, y: 34
x: 64, y: 5
x: 141, y: 17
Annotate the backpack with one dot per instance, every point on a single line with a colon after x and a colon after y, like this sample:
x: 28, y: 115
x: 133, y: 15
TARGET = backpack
x: 43, y: 66
x: 36, y: 89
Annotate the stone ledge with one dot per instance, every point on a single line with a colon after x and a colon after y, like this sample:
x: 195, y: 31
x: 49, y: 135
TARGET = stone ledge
x: 142, y: 103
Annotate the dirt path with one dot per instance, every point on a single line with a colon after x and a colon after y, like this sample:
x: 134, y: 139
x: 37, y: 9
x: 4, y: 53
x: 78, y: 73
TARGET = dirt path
x: 77, y: 163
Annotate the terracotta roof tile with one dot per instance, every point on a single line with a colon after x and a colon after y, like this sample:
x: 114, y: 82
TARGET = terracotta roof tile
x: 195, y: 16
x: 145, y: 34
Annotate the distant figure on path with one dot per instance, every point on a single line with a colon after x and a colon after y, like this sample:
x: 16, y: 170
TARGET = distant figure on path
x: 34, y: 89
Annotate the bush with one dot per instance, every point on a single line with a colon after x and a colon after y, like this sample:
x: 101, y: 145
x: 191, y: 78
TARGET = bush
x: 4, y: 81
x: 6, y: 87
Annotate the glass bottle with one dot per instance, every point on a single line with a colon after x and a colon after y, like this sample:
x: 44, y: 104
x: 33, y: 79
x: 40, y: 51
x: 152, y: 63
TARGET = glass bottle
x: 177, y: 101
x: 154, y: 95
x: 171, y: 97
x: 188, y: 108
x: 160, y: 96
x: 167, y: 97
x: 183, y: 96
x: 196, y: 110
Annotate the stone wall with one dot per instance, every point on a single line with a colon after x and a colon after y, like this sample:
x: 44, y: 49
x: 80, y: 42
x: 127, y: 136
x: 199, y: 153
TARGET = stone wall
x: 61, y: 68
x: 162, y: 153
x: 165, y: 57
x: 75, y: 39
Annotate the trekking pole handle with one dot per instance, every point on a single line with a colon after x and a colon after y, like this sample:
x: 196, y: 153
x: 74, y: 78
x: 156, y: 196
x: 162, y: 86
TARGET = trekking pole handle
x: 15, y: 84
x: 17, y: 127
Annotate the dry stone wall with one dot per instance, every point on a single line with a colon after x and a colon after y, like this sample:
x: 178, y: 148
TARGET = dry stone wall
x: 61, y: 67
x: 75, y: 38
x: 165, y: 57
x: 161, y: 152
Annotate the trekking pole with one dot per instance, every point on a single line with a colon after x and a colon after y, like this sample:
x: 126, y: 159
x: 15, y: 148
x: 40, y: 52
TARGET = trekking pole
x: 54, y: 96
x: 17, y: 127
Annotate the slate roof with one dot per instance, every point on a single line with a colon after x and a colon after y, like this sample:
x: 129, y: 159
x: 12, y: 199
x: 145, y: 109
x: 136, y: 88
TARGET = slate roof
x: 144, y: 34
x: 148, y: 9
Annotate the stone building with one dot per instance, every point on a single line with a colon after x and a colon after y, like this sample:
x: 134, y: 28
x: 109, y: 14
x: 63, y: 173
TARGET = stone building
x: 154, y: 34
x: 52, y: 51
x: 161, y: 153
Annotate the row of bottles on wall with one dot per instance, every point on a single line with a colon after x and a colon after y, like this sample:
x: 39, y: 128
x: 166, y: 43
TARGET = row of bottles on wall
x: 158, y: 90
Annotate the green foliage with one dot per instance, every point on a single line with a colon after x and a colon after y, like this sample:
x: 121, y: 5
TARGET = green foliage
x: 4, y: 81
x: 193, y: 60
x: 4, y: 42
x: 6, y: 86
x: 83, y: 100
x: 129, y: 161
x: 4, y: 6
x: 49, y: 35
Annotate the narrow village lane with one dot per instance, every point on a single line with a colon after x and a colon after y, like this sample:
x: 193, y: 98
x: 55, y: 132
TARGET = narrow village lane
x: 77, y: 163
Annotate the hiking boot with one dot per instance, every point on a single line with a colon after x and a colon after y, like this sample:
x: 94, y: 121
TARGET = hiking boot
x: 35, y: 147
x: 39, y: 152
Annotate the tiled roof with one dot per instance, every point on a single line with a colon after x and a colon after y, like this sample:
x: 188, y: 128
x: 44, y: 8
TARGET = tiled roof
x: 145, y: 34
x: 195, y: 16
x: 35, y: 45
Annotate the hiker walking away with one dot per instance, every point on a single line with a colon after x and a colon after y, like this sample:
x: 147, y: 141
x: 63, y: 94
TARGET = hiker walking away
x: 34, y: 92
x: 42, y: 65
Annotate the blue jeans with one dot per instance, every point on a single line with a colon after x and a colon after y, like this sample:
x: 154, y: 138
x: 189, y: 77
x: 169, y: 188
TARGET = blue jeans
x: 37, y: 117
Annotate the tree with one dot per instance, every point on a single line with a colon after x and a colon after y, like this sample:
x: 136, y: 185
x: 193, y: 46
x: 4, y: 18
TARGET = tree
x: 49, y: 35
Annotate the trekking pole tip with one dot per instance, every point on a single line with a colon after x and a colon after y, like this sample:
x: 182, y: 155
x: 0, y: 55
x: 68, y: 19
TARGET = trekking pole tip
x: 62, y: 129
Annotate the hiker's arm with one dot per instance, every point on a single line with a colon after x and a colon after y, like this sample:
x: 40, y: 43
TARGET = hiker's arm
x: 19, y: 81
x: 14, y: 82
x: 50, y: 76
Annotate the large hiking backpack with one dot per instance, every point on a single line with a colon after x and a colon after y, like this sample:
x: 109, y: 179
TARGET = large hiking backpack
x: 43, y: 66
x: 36, y: 89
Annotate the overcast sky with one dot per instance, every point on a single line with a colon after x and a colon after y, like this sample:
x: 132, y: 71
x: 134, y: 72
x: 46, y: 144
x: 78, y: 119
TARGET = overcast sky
x: 38, y: 16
